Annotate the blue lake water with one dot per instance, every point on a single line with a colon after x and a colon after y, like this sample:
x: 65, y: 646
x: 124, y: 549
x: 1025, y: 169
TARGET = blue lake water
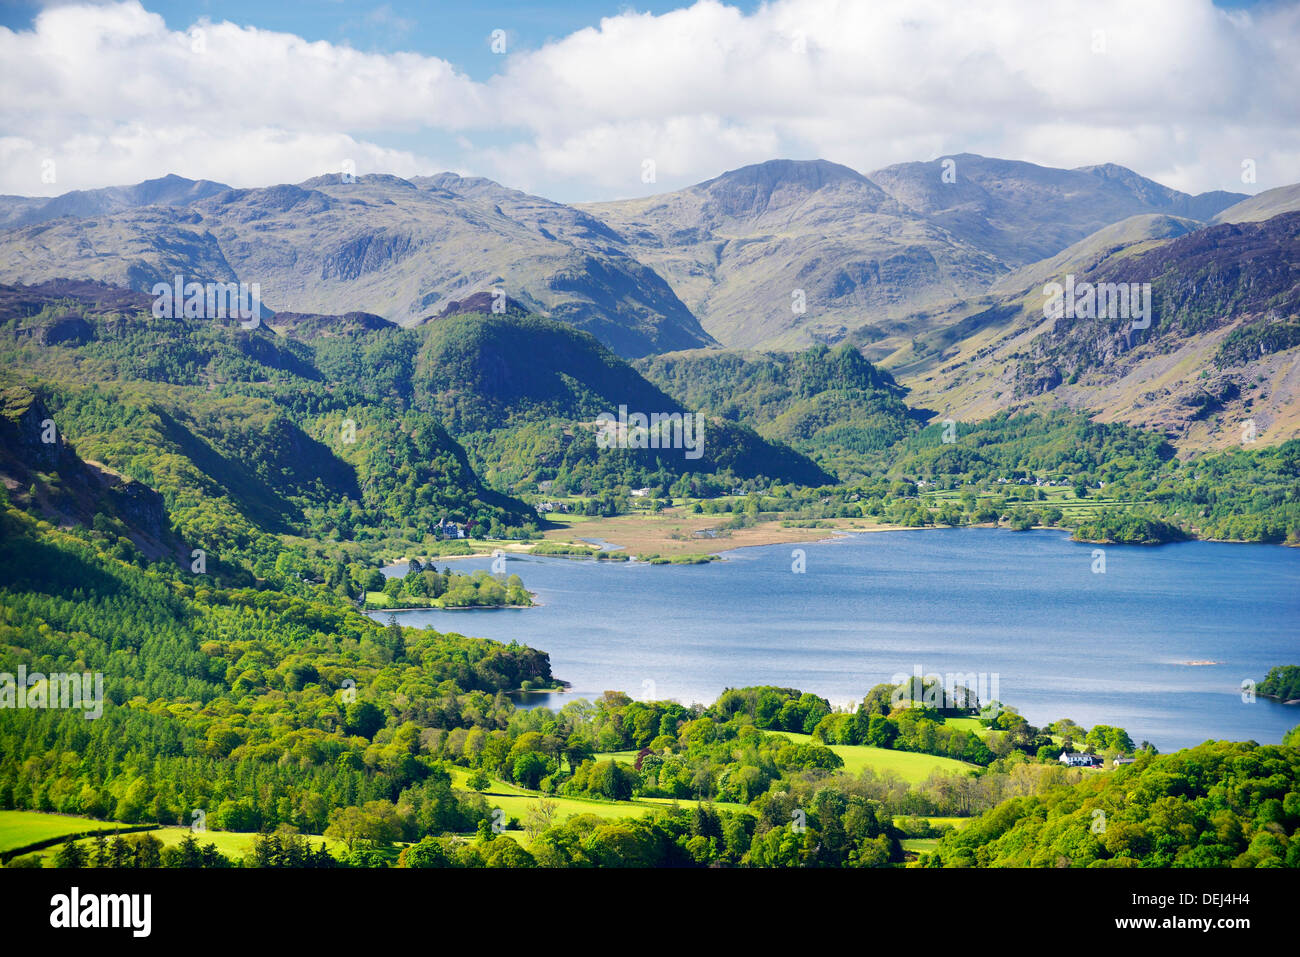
x: 1026, y: 607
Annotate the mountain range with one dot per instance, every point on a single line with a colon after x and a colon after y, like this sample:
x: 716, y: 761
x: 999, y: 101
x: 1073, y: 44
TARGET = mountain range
x: 933, y: 270
x: 864, y: 250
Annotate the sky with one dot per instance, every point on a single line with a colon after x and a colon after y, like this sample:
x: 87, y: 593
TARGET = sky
x: 587, y: 100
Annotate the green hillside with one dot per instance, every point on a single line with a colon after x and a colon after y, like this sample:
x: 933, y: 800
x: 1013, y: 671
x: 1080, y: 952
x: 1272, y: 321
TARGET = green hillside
x: 239, y: 431
x: 1222, y: 804
x: 831, y: 404
x: 523, y: 394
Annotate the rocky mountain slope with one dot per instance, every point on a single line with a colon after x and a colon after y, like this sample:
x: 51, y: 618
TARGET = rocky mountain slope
x: 748, y: 249
x: 780, y: 254
x: 401, y: 249
x: 1265, y: 205
x: 1219, y: 365
x: 171, y: 190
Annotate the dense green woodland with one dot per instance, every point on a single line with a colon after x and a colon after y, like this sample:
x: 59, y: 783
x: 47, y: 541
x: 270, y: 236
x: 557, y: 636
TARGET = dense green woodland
x: 830, y: 403
x: 1282, y: 682
x: 1222, y: 804
x: 992, y: 467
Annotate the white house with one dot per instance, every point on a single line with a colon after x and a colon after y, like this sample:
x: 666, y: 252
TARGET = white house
x: 1077, y: 759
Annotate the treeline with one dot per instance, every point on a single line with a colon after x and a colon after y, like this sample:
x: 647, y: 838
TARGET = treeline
x: 1127, y: 528
x: 1002, y: 469
x: 1246, y: 494
x: 827, y: 829
x: 280, y: 849
x: 134, y: 851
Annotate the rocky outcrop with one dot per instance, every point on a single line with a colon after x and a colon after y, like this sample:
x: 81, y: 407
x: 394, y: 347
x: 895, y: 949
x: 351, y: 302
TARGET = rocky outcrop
x: 44, y: 475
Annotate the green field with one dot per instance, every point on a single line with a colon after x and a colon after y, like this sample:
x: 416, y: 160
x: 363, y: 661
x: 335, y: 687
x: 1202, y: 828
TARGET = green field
x: 515, y: 801
x: 460, y: 779
x: 957, y: 823
x: 20, y: 828
x: 1072, y: 507
x: 908, y: 765
x: 690, y: 802
x: 624, y: 757
x: 919, y: 845
x: 924, y: 845
x: 234, y: 844
x: 516, y: 806
x: 968, y: 724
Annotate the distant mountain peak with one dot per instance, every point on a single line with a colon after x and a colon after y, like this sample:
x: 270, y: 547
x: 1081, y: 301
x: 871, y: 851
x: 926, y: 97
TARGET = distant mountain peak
x: 1107, y: 169
x: 753, y: 190
x: 169, y: 190
x: 810, y: 174
x: 366, y: 179
x: 455, y: 183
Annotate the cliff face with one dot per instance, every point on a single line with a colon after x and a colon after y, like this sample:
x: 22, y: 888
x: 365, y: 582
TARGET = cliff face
x: 42, y: 472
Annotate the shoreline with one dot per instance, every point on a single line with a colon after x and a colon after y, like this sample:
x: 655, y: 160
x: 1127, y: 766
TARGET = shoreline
x: 816, y: 536
x: 398, y: 611
x: 771, y: 533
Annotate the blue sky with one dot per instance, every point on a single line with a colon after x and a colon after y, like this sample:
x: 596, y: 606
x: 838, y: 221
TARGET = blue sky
x: 459, y: 31
x: 578, y: 107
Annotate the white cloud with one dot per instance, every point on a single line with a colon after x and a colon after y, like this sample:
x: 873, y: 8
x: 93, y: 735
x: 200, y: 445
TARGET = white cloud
x: 1177, y: 89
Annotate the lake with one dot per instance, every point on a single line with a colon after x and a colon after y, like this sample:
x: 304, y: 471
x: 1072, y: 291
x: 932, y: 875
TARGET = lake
x: 1024, y: 609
